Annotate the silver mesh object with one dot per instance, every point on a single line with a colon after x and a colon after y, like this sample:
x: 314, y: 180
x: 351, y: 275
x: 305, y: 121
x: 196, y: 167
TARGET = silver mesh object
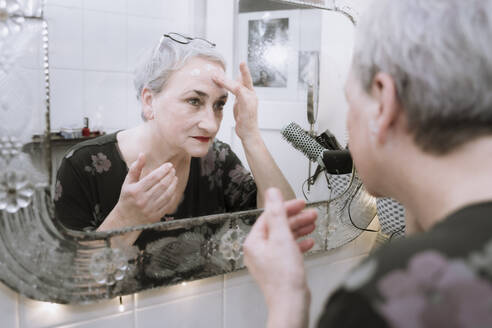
x: 302, y: 141
x: 391, y: 216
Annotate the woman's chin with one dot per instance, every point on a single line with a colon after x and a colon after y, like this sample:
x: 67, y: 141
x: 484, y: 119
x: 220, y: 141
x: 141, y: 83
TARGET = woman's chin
x: 199, y: 151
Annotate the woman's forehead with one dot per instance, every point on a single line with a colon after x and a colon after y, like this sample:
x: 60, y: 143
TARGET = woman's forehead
x: 198, y: 64
x: 196, y: 71
x: 197, y: 75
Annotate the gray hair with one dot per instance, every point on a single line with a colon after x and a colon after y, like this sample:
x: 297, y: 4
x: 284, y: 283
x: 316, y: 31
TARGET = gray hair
x: 439, y: 55
x: 159, y: 63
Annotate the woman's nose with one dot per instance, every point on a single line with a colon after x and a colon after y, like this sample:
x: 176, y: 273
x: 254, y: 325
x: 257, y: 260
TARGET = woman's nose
x: 209, y: 121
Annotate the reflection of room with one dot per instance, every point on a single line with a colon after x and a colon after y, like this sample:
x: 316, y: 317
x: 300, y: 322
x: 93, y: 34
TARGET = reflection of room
x: 93, y: 48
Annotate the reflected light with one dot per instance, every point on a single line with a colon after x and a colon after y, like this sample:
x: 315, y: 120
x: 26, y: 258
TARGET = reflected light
x: 51, y: 308
x: 266, y: 16
x: 121, y: 307
x: 183, y: 284
x: 276, y: 55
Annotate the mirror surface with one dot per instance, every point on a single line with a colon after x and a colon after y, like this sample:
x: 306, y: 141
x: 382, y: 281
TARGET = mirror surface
x: 90, y: 70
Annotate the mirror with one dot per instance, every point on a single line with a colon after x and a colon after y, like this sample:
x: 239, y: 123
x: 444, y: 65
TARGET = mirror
x: 57, y: 73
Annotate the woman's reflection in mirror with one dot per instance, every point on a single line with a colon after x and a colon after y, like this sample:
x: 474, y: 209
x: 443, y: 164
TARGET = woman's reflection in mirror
x: 170, y: 166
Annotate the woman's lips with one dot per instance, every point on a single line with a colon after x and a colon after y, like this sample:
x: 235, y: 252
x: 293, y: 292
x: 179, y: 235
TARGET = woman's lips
x: 202, y: 139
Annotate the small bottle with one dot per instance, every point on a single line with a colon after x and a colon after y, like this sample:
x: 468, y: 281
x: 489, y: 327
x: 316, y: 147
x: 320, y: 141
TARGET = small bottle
x: 85, y: 130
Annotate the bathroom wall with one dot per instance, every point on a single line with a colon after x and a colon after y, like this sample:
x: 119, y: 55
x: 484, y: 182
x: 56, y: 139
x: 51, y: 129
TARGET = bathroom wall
x: 94, y: 44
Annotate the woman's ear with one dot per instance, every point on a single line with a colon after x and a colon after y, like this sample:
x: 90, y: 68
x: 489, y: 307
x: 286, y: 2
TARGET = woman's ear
x: 147, y: 99
x: 389, y: 108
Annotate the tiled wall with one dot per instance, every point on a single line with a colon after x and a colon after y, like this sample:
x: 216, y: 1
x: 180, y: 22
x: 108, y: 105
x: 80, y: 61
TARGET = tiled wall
x: 232, y: 300
x: 94, y: 46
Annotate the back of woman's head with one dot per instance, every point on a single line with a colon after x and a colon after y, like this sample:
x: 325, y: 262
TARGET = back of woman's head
x: 159, y: 63
x: 438, y: 53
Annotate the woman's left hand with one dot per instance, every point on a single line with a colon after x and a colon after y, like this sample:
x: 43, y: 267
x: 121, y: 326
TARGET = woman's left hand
x: 246, y: 105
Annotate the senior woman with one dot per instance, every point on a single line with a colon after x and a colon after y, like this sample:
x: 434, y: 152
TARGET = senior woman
x: 170, y: 166
x: 420, y: 130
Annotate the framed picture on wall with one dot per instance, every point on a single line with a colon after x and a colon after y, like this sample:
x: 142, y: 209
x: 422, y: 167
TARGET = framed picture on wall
x: 269, y: 44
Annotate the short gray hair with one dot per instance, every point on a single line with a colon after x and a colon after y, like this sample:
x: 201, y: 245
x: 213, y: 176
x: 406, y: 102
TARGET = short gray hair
x: 161, y: 61
x: 439, y: 55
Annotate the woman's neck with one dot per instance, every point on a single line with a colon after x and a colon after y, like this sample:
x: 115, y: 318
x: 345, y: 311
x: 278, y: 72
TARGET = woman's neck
x: 142, y: 139
x: 434, y: 187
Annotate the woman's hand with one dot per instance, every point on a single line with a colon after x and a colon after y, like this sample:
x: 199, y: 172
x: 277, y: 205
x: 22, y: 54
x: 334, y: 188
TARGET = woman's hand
x: 246, y: 105
x: 265, y: 171
x: 274, y: 258
x: 147, y: 200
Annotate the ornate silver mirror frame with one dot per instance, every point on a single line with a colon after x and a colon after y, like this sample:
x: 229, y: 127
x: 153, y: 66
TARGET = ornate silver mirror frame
x: 344, y: 7
x: 42, y: 260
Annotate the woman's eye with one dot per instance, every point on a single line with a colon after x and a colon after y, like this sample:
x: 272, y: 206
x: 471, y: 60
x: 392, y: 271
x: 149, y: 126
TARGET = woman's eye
x: 194, y: 101
x: 220, y: 105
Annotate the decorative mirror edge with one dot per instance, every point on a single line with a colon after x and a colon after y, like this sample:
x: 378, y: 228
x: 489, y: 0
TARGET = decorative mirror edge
x: 46, y: 70
x: 186, y: 223
x: 346, y: 10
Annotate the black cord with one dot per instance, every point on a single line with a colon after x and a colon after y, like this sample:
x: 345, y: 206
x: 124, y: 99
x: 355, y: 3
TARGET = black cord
x: 312, y: 179
x: 350, y: 216
x: 302, y: 188
x: 402, y: 228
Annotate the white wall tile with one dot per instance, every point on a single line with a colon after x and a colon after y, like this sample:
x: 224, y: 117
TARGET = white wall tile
x: 202, y: 311
x: 178, y: 292
x: 159, y: 8
x: 182, y: 26
x: 65, y: 33
x: 67, y: 105
x: 21, y: 111
x: 115, y: 6
x: 134, y: 110
x: 34, y: 314
x: 106, y: 94
x: 244, y: 304
x: 146, y: 8
x: 143, y: 34
x: 199, y: 8
x: 323, y: 280
x: 121, y: 321
x: 8, y: 307
x: 105, y: 41
x: 177, y: 9
x: 65, y: 3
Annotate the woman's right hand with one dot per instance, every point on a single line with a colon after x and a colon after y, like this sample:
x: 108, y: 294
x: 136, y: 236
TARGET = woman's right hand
x: 271, y: 248
x: 147, y: 199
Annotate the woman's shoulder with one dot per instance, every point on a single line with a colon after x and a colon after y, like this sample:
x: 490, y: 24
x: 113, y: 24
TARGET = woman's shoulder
x: 98, y: 155
x: 435, y: 249
x: 98, y: 144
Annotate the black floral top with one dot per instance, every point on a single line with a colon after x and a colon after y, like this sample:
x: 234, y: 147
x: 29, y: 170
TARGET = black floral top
x: 442, y: 278
x: 91, y: 175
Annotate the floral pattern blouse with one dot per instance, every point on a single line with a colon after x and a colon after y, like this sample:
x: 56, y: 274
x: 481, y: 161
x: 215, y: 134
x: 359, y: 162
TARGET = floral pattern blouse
x: 91, y: 175
x: 441, y: 278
